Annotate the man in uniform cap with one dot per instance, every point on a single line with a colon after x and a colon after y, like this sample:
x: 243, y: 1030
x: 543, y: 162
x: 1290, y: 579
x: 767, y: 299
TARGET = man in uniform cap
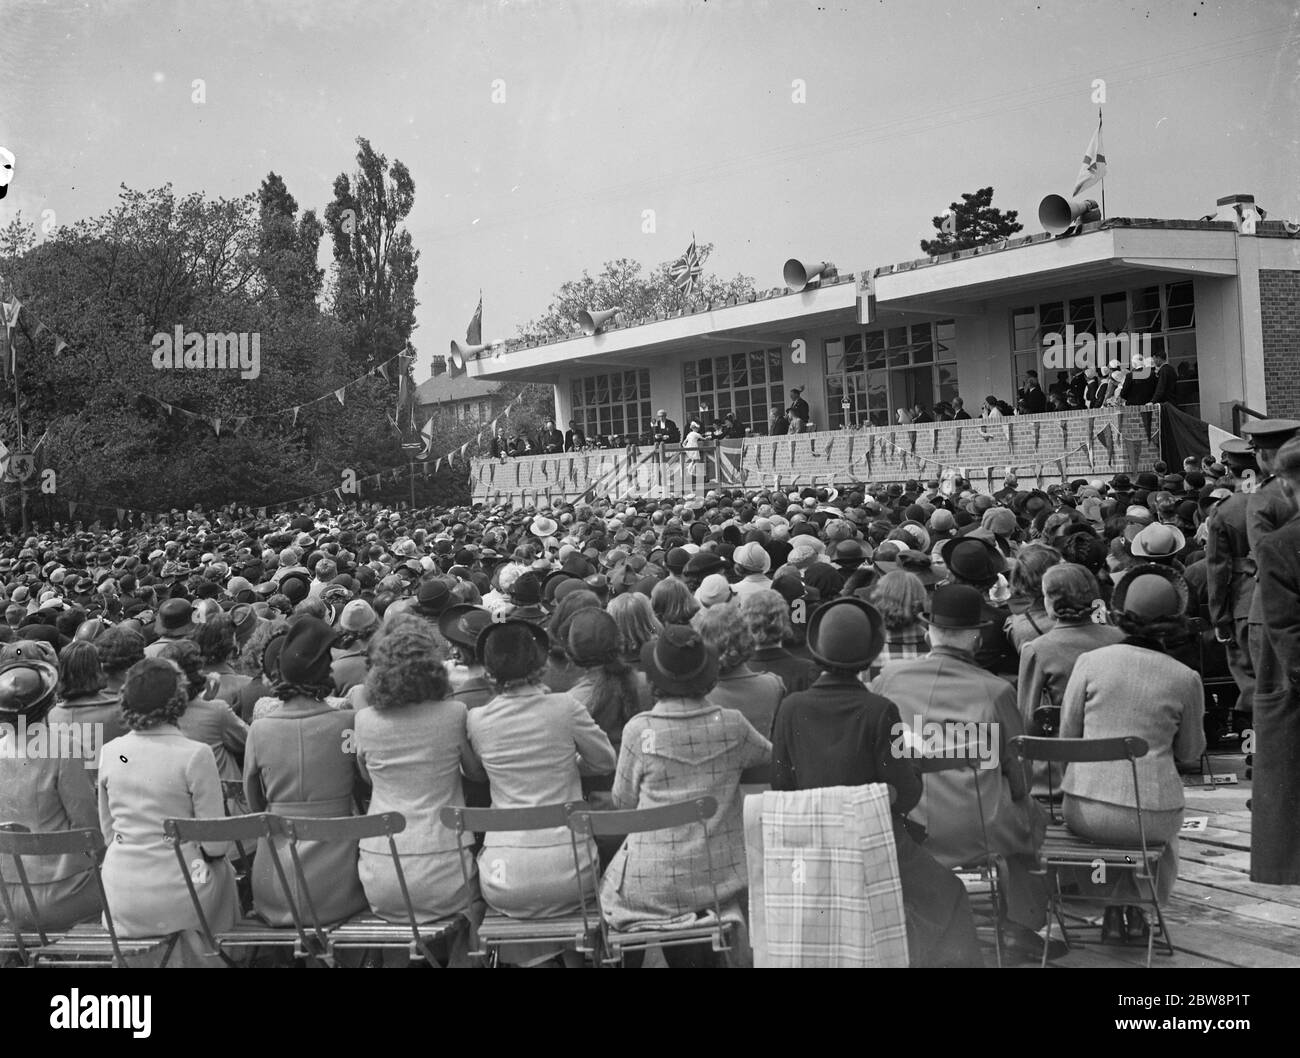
x: 1230, y: 577
x: 1267, y: 508
x: 1275, y: 838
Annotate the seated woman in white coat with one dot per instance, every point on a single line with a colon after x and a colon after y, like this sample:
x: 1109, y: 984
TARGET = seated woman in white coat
x: 150, y: 774
x: 411, y: 745
x: 535, y: 747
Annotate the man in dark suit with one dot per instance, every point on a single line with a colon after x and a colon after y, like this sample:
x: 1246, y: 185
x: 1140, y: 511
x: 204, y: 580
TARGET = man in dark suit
x: 1230, y: 577
x: 976, y: 563
x: 1009, y: 489
x: 1275, y: 800
x: 959, y: 409
x: 574, y: 437
x: 1032, y: 394
x: 550, y: 439
x: 799, y: 407
x: 664, y: 431
x: 1166, y: 378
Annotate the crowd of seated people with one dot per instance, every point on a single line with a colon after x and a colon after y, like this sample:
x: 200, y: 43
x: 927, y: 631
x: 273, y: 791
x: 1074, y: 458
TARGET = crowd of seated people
x: 631, y: 655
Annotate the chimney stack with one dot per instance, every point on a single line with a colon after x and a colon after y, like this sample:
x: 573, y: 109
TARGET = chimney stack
x: 439, y: 366
x: 1241, y: 210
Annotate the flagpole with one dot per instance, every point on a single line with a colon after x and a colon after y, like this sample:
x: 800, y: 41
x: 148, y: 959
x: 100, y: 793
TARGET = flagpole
x: 1103, y: 179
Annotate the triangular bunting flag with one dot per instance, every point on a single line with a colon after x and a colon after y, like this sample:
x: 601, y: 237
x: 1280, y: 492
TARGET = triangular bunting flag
x: 59, y: 346
x: 1065, y: 430
x: 72, y: 508
x: 338, y: 394
x: 956, y: 440
x: 934, y: 440
x: 383, y: 370
x: 121, y: 514
x: 988, y: 475
x: 216, y: 425
x: 830, y: 447
x: 812, y: 447
x: 1036, y: 429
x: 911, y: 440
x: 1060, y: 465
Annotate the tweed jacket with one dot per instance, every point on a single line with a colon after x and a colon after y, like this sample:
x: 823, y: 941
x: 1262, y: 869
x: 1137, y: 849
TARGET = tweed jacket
x: 1126, y: 689
x: 949, y: 687
x: 682, y: 748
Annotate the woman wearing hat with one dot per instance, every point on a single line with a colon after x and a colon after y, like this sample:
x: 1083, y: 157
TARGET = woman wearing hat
x: 411, y: 744
x: 51, y: 792
x: 357, y: 625
x: 1134, y: 688
x: 534, y: 747
x: 461, y: 626
x: 838, y: 733
x: 150, y: 774
x: 300, y: 761
x: 684, y: 747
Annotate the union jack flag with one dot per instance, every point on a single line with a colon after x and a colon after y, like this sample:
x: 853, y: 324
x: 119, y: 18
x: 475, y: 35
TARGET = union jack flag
x: 685, y: 271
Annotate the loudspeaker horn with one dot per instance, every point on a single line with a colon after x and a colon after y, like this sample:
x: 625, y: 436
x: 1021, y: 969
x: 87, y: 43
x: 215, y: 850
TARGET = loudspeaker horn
x: 594, y: 322
x: 1058, y: 214
x: 798, y: 276
x: 461, y: 353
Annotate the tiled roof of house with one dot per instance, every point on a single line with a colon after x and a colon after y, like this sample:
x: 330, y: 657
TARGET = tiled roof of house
x: 442, y: 389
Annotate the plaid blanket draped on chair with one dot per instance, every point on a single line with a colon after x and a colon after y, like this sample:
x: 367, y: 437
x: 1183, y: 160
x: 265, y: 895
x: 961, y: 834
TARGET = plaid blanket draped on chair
x: 823, y: 876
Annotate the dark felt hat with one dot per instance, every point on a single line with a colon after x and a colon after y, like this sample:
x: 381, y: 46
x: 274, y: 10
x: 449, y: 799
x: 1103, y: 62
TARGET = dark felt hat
x: 305, y: 657
x: 175, y: 618
x: 512, y: 649
x: 679, y: 662
x: 846, y: 633
x: 462, y: 623
x: 972, y: 558
x: 432, y: 597
x: 956, y: 606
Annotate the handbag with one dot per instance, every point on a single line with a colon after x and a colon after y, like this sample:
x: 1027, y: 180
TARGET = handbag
x: 1047, y: 717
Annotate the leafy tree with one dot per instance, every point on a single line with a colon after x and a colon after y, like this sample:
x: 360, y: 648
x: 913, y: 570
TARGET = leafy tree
x: 623, y: 284
x: 156, y: 261
x: 374, y: 259
x: 974, y: 221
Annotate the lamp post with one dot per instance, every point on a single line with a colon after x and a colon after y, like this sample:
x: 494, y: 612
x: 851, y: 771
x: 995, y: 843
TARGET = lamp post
x: 845, y: 405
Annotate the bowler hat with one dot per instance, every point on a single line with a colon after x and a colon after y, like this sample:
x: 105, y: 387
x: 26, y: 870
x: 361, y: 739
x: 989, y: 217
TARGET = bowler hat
x: 432, y: 597
x: 846, y: 633
x: 679, y: 662
x: 305, y: 656
x: 174, y: 618
x: 956, y: 606
x: 972, y: 558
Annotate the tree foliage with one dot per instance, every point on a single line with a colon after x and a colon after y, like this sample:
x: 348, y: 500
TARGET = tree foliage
x: 110, y: 284
x: 974, y: 221
x: 624, y: 284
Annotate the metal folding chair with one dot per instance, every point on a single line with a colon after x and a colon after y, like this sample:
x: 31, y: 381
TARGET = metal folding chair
x: 368, y: 930
x: 981, y: 876
x: 1062, y: 848
x: 87, y: 943
x: 580, y: 932
x: 246, y: 933
x: 590, y: 825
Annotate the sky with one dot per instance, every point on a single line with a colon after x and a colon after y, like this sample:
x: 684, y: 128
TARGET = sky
x: 539, y: 134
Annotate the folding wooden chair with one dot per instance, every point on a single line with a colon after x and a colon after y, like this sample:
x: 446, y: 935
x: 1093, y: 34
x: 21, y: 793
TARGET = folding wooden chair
x: 87, y: 943
x: 590, y: 825
x: 367, y: 930
x: 1062, y: 848
x: 981, y: 876
x: 246, y: 933
x: 579, y: 932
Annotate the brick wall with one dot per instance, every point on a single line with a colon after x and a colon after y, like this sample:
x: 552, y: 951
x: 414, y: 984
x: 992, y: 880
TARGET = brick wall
x: 1279, y: 304
x: 1091, y: 443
